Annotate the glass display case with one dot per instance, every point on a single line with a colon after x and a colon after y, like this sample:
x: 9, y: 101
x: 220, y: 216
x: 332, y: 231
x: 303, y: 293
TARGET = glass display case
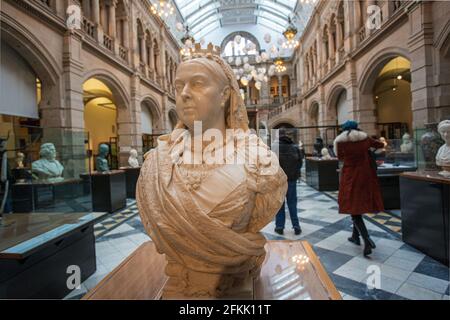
x: 48, y: 171
x: 397, y: 155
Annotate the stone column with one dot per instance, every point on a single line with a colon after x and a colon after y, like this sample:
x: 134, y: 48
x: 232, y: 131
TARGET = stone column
x: 280, y: 89
x: 421, y: 50
x: 86, y: 10
x: 112, y: 19
x: 96, y: 11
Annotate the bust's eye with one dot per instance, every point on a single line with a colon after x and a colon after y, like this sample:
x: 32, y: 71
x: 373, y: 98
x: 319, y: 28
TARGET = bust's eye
x: 179, y: 87
x: 198, y: 83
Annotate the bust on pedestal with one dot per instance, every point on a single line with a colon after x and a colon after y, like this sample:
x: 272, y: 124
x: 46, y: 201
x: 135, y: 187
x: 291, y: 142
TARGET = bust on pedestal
x: 407, y: 146
x: 47, y: 168
x: 102, y: 162
x: 204, y: 201
x: 133, y: 160
x: 443, y: 155
x: 326, y: 154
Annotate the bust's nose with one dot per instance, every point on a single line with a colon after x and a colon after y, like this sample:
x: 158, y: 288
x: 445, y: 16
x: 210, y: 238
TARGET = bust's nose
x: 186, y: 93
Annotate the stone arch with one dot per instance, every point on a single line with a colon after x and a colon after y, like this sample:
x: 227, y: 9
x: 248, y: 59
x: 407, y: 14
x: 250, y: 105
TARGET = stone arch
x: 376, y: 64
x: 365, y: 112
x: 41, y: 61
x: 120, y: 94
x: 244, y: 34
x: 283, y: 123
x: 172, y: 117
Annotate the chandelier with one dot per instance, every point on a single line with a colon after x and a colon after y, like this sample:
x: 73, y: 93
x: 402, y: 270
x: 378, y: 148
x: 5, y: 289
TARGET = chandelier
x: 279, y: 65
x: 188, y: 43
x: 162, y: 8
x: 290, y: 34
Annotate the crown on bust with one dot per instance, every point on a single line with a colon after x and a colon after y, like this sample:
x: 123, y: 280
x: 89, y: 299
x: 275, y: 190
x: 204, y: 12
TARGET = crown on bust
x: 197, y: 52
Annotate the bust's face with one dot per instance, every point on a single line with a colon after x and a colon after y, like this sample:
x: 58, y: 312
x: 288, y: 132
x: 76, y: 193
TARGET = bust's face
x: 445, y: 133
x: 133, y: 153
x: 198, y: 95
x: 49, y: 152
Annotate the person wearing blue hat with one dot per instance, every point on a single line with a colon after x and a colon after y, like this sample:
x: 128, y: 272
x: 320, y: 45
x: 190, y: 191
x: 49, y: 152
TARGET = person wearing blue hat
x: 359, y: 190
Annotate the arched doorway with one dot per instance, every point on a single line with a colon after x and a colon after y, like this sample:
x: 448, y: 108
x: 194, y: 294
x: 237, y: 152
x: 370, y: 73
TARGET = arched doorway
x: 313, y: 131
x: 100, y: 121
x: 150, y: 124
x: 384, y: 106
x: 173, y: 118
x: 288, y: 129
x: 393, y: 99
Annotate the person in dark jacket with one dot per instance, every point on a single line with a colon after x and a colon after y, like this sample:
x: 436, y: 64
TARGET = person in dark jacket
x: 291, y: 162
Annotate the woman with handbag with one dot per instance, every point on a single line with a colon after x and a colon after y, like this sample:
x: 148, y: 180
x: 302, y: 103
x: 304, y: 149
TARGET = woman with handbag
x: 359, y: 190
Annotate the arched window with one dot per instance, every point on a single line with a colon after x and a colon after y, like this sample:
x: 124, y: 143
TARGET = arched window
x: 234, y: 49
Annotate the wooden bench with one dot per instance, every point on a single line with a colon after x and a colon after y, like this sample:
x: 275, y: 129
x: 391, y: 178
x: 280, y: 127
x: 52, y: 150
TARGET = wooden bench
x: 291, y: 270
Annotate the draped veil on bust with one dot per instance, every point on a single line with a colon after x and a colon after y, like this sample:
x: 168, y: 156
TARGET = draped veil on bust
x: 210, y: 232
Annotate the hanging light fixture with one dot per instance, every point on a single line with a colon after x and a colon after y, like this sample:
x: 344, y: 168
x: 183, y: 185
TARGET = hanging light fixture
x: 289, y: 34
x: 162, y: 8
x: 279, y: 65
x: 188, y: 43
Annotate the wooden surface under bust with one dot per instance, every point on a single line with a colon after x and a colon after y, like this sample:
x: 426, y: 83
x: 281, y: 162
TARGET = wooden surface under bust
x: 291, y: 270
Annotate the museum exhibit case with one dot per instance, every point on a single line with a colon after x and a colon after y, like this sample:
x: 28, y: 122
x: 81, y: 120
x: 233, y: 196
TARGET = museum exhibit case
x: 398, y: 156
x: 322, y: 174
x: 46, y: 223
x: 425, y: 195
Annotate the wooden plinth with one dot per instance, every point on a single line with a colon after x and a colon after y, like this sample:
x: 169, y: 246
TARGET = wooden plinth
x: 141, y: 276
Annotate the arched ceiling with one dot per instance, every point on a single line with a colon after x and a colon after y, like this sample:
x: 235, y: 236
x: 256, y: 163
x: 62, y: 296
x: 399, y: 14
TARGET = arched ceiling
x: 204, y: 16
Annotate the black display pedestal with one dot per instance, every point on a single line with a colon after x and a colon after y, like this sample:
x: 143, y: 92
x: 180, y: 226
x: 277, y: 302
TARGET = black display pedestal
x: 108, y: 191
x: 29, y: 196
x: 322, y: 175
x: 40, y: 269
x: 388, y: 178
x: 131, y: 176
x: 425, y: 213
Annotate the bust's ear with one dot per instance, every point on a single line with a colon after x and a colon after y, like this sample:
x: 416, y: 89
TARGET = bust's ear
x: 226, y: 94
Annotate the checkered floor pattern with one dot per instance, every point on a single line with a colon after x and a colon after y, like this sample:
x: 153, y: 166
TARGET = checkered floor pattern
x: 386, y: 220
x: 116, y: 219
x: 405, y: 273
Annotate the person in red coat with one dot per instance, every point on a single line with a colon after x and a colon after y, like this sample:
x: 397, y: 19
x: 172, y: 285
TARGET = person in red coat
x: 359, y: 190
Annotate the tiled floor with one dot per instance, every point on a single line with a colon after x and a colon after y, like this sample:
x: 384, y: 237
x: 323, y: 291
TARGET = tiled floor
x: 404, y: 272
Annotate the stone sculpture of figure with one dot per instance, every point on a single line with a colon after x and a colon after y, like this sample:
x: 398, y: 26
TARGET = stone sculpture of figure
x: 204, y: 208
x: 47, y: 168
x: 133, y: 160
x: 443, y: 155
x: 19, y: 160
x: 102, y: 162
x: 407, y: 146
x: 318, y: 146
x: 326, y: 154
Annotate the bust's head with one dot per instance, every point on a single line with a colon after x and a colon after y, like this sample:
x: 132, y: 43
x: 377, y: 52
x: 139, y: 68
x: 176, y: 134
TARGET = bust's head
x: 202, y: 92
x: 133, y: 153
x: 406, y: 138
x: 444, y: 130
x: 48, y: 151
x: 207, y: 90
x: 325, y: 152
x: 103, y: 150
x: 20, y: 156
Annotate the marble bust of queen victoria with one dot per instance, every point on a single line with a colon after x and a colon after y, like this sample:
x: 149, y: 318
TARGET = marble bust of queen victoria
x: 204, y: 207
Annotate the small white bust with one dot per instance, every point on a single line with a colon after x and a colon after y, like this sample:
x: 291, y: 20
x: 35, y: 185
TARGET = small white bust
x: 407, y: 145
x: 443, y: 155
x: 132, y: 160
x: 326, y: 154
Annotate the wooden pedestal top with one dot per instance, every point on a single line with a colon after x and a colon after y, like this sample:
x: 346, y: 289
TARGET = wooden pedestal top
x: 321, y: 160
x: 429, y: 176
x: 291, y: 270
